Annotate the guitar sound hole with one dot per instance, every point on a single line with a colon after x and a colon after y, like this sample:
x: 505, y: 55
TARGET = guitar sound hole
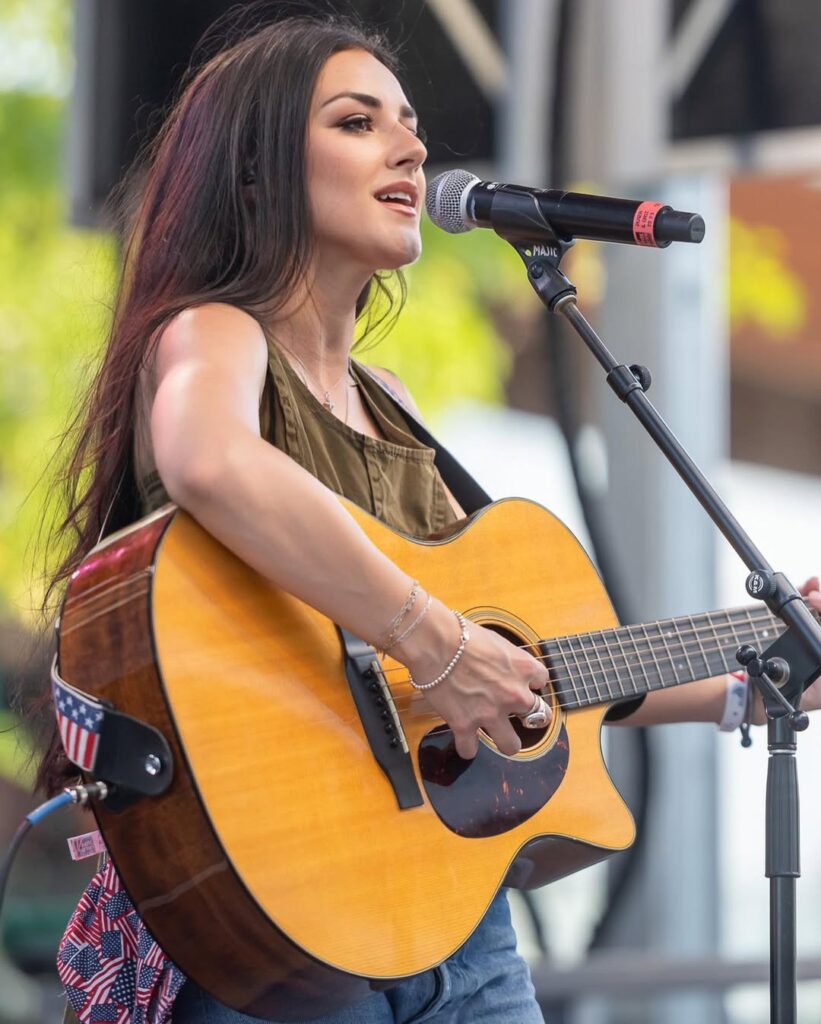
x: 529, y: 737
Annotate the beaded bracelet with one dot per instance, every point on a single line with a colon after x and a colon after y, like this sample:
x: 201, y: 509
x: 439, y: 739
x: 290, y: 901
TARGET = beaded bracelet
x: 451, y: 665
x: 388, y: 637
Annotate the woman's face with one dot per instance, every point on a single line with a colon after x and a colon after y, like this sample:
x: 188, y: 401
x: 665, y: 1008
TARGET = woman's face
x: 362, y: 144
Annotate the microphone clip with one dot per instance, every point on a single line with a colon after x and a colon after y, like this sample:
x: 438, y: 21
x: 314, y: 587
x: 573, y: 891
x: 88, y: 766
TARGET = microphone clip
x: 516, y: 216
x: 542, y: 260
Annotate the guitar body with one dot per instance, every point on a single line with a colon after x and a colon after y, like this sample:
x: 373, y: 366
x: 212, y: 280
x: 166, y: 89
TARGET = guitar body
x: 278, y: 870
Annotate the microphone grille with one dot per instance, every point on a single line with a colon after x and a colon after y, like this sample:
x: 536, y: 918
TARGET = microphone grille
x: 444, y: 200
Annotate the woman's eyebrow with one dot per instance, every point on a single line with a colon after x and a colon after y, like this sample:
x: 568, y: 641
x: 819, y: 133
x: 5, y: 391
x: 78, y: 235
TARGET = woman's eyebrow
x: 369, y: 101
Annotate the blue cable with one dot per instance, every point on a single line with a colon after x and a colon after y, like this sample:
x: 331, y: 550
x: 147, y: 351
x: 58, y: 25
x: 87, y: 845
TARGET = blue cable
x: 36, y: 816
x: 75, y: 795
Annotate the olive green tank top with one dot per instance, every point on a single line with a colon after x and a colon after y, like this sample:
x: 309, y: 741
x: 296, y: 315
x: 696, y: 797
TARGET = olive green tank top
x: 394, y: 478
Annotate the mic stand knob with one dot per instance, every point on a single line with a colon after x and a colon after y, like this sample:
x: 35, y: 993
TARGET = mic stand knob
x: 765, y: 673
x: 761, y: 584
x: 642, y: 375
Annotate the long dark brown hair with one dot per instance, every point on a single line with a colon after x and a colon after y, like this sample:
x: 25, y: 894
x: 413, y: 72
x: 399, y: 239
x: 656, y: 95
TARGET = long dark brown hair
x: 220, y: 215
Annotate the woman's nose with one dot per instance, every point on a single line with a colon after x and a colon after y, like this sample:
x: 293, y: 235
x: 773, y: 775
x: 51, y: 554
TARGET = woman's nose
x: 407, y: 148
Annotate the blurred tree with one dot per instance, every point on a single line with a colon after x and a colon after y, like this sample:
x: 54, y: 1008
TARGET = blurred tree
x: 57, y: 285
x: 445, y: 346
x: 35, y: 37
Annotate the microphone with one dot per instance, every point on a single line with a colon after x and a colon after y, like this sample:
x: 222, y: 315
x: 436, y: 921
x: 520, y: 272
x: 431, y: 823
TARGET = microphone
x: 458, y: 201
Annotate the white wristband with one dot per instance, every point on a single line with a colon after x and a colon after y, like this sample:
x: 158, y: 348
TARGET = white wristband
x: 735, y: 704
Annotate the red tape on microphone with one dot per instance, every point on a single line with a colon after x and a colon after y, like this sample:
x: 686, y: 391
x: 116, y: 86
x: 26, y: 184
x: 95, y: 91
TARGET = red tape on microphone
x: 643, y: 220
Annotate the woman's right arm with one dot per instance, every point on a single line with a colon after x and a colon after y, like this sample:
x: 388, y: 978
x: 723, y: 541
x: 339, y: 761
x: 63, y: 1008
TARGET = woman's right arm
x: 210, y: 369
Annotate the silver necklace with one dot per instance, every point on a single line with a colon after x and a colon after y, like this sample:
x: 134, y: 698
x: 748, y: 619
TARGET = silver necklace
x: 326, y: 392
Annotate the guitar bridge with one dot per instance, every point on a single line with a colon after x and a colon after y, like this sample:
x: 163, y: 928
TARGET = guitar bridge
x: 379, y: 718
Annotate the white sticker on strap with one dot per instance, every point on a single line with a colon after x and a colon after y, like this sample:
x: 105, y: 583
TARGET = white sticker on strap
x: 87, y: 845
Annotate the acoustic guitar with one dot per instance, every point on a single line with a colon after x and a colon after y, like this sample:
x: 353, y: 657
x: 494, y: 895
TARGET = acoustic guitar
x: 321, y: 836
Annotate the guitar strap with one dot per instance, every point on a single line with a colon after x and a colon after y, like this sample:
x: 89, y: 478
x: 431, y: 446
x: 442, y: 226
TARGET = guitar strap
x: 110, y: 745
x: 470, y: 495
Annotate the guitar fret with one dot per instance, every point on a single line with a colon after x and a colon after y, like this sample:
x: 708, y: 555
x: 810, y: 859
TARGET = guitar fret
x: 603, y: 669
x: 766, y: 634
x: 732, y: 665
x: 656, y: 662
x: 692, y: 673
x: 593, y: 679
x: 570, y: 675
x: 717, y: 641
x: 627, y: 665
x: 663, y: 637
x: 707, y: 670
x: 647, y: 684
x: 584, y: 699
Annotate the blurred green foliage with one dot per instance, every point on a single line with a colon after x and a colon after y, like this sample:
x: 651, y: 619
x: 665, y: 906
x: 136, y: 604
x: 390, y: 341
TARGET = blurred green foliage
x: 56, y: 292
x: 55, y: 284
x: 445, y: 346
x: 35, y: 44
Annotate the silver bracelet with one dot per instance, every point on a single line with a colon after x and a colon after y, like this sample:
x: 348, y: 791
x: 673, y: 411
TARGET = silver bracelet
x: 412, y: 626
x: 451, y: 665
x: 387, y: 638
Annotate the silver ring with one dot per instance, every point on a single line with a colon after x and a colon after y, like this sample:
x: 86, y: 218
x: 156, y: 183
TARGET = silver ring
x: 537, y: 717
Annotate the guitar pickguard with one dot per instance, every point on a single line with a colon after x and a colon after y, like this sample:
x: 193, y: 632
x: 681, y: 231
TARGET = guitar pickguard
x: 491, y: 794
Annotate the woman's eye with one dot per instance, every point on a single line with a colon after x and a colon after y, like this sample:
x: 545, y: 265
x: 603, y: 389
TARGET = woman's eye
x: 357, y: 124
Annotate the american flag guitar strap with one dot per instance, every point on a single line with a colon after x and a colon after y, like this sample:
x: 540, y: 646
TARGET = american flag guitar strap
x: 129, y: 754
x: 79, y: 721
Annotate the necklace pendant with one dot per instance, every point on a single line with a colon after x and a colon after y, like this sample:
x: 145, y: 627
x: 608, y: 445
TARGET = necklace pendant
x: 327, y: 402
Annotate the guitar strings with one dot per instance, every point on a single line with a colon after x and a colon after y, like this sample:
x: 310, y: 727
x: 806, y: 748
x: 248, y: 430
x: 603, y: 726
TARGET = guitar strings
x: 584, y: 683
x: 577, y: 694
x: 579, y: 689
x: 742, y: 618
x: 680, y: 639
x: 595, y: 690
x: 586, y: 666
x: 577, y: 659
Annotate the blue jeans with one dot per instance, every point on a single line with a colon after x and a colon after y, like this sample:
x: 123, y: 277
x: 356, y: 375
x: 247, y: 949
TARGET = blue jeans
x: 485, y: 982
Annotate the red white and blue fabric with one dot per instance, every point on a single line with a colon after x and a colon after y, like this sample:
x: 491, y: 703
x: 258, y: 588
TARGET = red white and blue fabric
x: 79, y: 720
x: 109, y: 963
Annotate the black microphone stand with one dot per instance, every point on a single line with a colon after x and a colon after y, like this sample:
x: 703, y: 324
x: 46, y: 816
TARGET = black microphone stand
x: 784, y: 670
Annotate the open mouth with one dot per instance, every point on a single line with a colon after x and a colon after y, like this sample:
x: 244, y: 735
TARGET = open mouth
x: 399, y: 198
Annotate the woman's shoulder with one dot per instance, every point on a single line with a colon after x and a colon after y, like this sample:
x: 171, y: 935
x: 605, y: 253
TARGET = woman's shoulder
x: 218, y: 331
x: 213, y: 318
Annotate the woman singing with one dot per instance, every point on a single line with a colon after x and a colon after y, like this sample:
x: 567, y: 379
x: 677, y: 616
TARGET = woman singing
x: 288, y: 176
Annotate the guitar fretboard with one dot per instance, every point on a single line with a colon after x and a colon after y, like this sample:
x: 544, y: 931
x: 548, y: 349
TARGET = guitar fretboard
x: 595, y: 668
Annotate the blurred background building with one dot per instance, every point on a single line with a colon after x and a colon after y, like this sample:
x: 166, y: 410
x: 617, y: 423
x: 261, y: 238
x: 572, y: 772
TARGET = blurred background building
x: 709, y: 105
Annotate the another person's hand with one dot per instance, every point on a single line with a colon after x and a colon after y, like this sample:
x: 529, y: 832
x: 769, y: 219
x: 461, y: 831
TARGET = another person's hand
x: 811, y: 701
x: 811, y: 590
